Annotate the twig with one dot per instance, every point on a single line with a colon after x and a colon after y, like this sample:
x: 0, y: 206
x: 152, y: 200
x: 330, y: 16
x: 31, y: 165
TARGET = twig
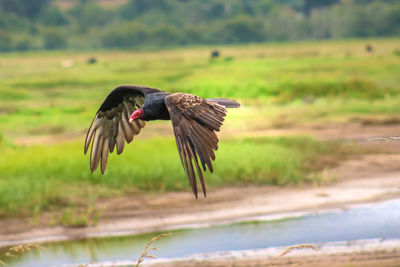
x: 301, y: 246
x: 390, y: 138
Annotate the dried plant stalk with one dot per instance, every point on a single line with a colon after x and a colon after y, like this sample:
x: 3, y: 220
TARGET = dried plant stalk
x: 301, y: 246
x: 14, y: 252
x: 145, y: 252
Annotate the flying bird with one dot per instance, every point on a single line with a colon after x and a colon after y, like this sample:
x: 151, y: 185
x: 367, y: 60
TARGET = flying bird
x: 194, y: 120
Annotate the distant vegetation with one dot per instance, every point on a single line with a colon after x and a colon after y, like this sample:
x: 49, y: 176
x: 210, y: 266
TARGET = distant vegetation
x: 85, y: 24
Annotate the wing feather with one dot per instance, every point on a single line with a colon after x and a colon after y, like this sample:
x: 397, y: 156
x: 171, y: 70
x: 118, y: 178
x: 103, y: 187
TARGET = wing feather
x: 199, y: 172
x: 120, y: 140
x: 195, y: 121
x: 93, y: 126
x: 96, y: 150
x: 110, y: 127
x: 204, y: 148
x: 188, y: 155
x: 104, y: 156
x: 127, y: 128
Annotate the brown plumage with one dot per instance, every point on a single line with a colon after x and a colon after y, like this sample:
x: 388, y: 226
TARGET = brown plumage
x: 194, y: 121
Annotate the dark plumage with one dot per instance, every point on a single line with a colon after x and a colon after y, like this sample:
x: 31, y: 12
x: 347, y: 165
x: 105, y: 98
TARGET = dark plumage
x: 194, y: 120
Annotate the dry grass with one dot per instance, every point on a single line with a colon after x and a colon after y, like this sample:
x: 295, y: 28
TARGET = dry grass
x: 301, y: 246
x: 16, y: 251
x: 145, y: 252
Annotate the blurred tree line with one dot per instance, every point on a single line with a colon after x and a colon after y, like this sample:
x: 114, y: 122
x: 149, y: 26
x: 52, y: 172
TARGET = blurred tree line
x: 85, y: 24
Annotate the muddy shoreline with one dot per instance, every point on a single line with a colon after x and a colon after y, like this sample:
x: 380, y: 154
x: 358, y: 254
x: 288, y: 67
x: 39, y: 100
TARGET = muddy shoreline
x: 372, y: 252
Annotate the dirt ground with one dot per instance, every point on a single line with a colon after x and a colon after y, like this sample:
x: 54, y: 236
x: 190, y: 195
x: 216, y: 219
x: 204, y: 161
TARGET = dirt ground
x: 354, y: 131
x: 356, y: 253
x: 357, y: 259
x: 367, y: 178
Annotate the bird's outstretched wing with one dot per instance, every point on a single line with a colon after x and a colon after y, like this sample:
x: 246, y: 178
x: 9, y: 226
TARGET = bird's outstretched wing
x: 110, y: 127
x: 195, y: 121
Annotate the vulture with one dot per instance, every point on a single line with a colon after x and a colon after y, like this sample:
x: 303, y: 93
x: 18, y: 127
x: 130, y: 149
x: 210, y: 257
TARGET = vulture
x: 194, y: 120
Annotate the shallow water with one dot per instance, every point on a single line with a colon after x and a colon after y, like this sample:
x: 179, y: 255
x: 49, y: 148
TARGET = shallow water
x: 381, y: 220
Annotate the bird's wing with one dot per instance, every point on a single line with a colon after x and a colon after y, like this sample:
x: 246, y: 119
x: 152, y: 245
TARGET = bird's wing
x: 110, y: 127
x: 195, y: 121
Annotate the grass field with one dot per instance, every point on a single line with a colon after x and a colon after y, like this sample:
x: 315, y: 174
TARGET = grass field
x: 278, y: 84
x: 44, y: 177
x: 39, y: 96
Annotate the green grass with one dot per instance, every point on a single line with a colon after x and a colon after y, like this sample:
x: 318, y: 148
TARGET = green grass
x: 37, y: 94
x: 41, y: 177
x: 279, y: 85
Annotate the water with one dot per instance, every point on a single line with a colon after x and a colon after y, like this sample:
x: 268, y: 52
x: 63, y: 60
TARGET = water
x: 363, y: 222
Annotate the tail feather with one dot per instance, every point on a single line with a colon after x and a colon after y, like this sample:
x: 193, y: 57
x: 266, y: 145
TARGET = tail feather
x: 228, y: 103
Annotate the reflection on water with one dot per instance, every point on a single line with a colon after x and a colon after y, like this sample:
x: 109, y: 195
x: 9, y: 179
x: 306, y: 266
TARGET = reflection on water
x: 363, y: 222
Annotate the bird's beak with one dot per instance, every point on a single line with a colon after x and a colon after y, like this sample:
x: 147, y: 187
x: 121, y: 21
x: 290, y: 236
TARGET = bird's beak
x: 137, y: 114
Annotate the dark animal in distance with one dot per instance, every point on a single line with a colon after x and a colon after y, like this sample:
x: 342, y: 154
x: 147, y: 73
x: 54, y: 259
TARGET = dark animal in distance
x: 92, y: 60
x: 194, y: 120
x: 215, y: 54
x: 369, y: 48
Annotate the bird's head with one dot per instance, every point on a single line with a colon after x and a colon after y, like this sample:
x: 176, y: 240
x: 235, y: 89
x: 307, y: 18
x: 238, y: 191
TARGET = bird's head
x: 137, y: 114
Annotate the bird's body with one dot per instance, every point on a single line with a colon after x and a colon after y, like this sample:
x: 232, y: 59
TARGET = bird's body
x: 194, y: 120
x: 154, y: 107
